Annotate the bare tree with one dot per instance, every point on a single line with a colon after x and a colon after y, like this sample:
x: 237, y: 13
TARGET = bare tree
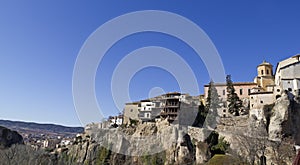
x: 22, y: 154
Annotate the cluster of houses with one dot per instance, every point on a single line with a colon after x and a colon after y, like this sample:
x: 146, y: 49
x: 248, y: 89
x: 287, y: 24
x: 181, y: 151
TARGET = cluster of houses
x: 167, y: 106
x: 179, y: 108
x: 38, y: 141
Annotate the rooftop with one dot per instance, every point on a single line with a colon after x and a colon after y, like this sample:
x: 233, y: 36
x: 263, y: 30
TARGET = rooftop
x: 264, y: 63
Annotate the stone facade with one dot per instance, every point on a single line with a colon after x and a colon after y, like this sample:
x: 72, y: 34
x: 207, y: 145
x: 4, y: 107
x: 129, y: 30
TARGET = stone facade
x: 242, y: 89
x: 257, y: 102
x: 131, y: 112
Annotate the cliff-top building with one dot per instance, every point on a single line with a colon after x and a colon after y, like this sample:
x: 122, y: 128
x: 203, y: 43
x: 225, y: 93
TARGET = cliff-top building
x: 131, y: 112
x: 286, y: 79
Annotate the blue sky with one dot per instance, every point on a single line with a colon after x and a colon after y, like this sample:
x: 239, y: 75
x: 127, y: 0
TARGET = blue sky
x: 40, y: 40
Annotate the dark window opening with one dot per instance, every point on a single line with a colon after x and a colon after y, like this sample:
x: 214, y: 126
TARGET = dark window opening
x: 252, y: 105
x: 241, y: 91
x: 262, y: 72
x: 278, y: 90
x: 267, y: 71
x: 278, y: 96
x: 224, y: 115
x: 223, y: 92
x: 261, y: 101
x: 290, y: 89
x: 249, y: 91
x: 224, y: 110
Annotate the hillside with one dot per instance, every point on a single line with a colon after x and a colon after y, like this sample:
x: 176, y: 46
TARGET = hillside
x: 35, y: 128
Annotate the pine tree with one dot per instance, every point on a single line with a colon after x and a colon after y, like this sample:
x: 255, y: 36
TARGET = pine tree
x: 234, y: 102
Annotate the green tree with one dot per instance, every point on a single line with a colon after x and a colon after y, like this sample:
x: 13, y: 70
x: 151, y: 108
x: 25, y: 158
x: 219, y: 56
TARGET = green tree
x: 217, y: 144
x: 234, y: 102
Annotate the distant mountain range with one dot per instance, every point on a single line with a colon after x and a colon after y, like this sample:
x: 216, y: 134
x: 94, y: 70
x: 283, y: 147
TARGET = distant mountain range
x: 35, y: 128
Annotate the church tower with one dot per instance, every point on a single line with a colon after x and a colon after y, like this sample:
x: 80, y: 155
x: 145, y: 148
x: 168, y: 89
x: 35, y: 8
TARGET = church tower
x: 265, y: 77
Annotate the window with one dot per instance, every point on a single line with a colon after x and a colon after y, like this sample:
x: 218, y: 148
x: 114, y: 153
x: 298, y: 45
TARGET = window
x: 241, y: 91
x: 148, y: 115
x: 278, y: 90
x: 131, y: 110
x: 249, y: 91
x: 224, y: 110
x: 252, y: 97
x: 262, y: 72
x: 224, y: 115
x: 224, y: 92
x: 290, y: 89
x: 298, y: 92
x: 267, y: 71
x: 261, y: 101
x: 252, y: 105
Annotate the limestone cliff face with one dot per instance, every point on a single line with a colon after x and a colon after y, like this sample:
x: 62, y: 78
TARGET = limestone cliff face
x: 152, y: 143
x: 9, y: 137
x: 285, y: 121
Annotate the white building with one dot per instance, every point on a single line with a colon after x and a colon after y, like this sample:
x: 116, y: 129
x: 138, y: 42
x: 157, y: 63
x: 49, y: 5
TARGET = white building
x: 116, y: 120
x: 145, y: 108
x: 287, y: 75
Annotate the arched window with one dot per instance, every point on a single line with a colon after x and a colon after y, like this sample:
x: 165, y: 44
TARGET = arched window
x: 262, y: 72
x: 267, y: 71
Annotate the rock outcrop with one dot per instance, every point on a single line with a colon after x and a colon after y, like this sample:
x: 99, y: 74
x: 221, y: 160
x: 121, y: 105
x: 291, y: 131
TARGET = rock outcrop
x: 285, y: 121
x: 9, y: 137
x: 280, y: 120
x: 148, y: 143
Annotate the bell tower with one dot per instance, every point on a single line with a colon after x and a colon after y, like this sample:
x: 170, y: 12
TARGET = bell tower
x: 265, y: 77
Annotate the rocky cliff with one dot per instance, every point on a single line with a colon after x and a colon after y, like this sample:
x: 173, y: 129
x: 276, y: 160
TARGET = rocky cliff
x: 251, y: 140
x: 152, y: 143
x: 285, y: 121
x: 9, y: 137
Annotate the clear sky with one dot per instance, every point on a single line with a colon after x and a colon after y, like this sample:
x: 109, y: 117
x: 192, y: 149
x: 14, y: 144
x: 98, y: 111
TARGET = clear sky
x: 40, y: 40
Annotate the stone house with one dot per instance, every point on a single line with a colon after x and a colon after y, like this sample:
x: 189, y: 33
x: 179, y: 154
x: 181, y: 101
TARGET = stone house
x: 180, y: 108
x: 131, y: 112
